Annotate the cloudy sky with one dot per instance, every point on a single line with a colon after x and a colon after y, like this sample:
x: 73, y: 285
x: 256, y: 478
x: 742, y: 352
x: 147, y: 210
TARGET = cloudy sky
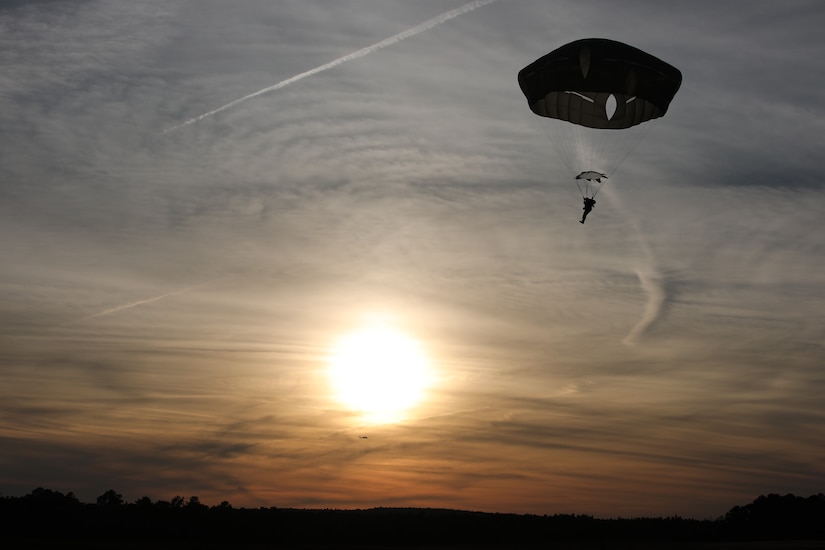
x: 174, y: 302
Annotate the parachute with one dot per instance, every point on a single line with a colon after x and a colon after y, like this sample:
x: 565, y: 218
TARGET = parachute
x: 588, y: 188
x: 596, y: 94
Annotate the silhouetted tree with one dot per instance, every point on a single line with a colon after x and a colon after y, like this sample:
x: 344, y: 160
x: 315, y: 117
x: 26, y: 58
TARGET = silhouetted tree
x: 194, y: 504
x: 110, y: 499
x: 143, y: 502
x: 775, y: 516
x: 224, y: 505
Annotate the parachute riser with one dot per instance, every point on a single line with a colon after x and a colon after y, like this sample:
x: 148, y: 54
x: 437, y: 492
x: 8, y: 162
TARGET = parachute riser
x: 587, y: 193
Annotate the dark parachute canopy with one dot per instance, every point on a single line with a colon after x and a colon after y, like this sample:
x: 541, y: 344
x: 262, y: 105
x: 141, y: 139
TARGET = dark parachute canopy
x: 592, y: 88
x: 599, y: 83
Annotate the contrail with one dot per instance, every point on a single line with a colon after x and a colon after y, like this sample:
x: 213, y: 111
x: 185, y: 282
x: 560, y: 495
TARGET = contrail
x: 650, y: 279
x: 130, y: 305
x: 651, y: 282
x: 418, y: 29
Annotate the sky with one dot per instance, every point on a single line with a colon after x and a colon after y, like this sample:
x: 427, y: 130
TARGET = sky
x: 179, y: 271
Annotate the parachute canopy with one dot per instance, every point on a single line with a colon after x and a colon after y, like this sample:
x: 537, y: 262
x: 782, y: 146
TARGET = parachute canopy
x: 599, y: 83
x: 591, y: 176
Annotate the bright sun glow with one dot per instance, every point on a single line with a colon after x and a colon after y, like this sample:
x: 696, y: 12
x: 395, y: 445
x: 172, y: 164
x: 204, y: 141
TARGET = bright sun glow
x: 379, y: 372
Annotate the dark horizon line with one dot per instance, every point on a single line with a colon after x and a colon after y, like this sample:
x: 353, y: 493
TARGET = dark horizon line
x: 113, y: 499
x: 48, y: 516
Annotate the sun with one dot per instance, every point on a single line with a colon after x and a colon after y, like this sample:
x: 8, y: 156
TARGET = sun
x: 379, y: 372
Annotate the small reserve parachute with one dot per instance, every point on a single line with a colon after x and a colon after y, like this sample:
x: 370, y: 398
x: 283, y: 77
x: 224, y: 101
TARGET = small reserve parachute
x: 596, y: 94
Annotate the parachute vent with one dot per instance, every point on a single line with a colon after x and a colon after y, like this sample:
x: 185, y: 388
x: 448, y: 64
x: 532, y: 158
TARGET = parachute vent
x: 610, y: 105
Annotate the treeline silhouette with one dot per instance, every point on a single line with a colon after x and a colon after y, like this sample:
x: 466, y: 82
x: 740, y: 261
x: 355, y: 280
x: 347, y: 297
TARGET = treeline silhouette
x: 44, y: 518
